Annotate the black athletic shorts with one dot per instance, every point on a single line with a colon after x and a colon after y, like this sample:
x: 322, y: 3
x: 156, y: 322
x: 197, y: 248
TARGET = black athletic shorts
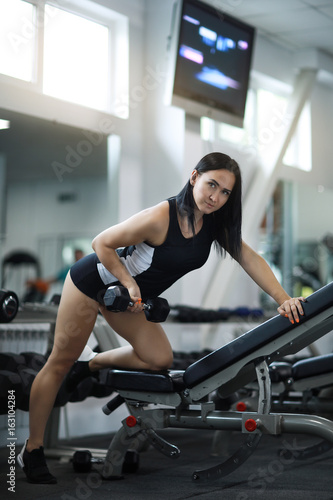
x: 86, y: 278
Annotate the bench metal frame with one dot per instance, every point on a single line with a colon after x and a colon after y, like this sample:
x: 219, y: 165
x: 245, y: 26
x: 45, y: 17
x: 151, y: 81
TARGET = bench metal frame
x: 191, y: 407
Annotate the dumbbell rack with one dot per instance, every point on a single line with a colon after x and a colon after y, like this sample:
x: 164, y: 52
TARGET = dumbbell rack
x: 31, y: 330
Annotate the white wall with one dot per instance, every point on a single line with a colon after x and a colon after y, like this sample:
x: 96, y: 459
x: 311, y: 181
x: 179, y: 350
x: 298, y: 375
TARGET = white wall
x: 49, y: 216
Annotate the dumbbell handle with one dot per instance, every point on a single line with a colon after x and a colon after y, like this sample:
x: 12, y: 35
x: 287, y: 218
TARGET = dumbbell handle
x: 130, y: 302
x: 147, y: 307
x: 113, y: 404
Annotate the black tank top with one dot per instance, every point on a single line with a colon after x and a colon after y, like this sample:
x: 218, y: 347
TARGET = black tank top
x: 156, y: 268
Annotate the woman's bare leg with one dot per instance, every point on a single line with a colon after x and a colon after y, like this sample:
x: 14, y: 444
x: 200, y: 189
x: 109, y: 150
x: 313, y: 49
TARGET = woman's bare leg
x: 75, y: 321
x: 149, y: 347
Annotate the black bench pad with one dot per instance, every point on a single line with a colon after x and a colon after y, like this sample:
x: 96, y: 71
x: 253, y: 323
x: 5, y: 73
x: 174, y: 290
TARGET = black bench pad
x: 254, y: 339
x: 280, y: 371
x: 312, y: 367
x: 222, y: 358
x: 137, y: 380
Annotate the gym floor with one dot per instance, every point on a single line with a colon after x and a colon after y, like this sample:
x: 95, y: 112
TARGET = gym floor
x: 266, y: 474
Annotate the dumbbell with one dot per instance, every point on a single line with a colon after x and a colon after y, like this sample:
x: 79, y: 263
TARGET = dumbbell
x: 82, y: 461
x: 117, y: 299
x: 27, y: 376
x: 8, y: 306
x: 11, y: 361
x: 33, y: 360
x: 20, y: 383
x: 82, y: 391
x: 9, y: 381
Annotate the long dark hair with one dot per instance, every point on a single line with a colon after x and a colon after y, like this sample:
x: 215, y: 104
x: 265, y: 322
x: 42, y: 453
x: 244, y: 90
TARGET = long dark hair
x: 227, y: 221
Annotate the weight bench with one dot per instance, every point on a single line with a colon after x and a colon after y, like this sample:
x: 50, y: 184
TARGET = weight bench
x: 298, y: 387
x: 159, y: 400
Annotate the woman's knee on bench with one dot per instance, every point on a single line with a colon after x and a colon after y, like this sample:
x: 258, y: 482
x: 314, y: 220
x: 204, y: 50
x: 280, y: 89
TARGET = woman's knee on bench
x: 159, y: 361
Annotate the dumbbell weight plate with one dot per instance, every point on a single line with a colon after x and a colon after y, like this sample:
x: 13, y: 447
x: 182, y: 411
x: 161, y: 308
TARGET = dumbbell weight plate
x: 8, y: 306
x: 116, y: 299
x: 11, y: 361
x: 82, y: 461
x: 34, y: 360
x: 27, y: 376
x: 157, y: 310
x: 131, y: 462
x: 9, y: 381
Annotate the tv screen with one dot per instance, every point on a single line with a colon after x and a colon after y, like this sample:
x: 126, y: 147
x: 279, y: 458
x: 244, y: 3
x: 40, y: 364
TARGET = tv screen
x: 211, y: 64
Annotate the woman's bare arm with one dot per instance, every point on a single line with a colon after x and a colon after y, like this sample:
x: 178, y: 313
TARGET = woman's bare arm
x: 258, y: 269
x: 150, y: 225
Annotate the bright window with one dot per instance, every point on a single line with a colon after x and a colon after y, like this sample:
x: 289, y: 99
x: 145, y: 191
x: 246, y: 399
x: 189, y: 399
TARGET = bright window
x: 273, y: 118
x: 299, y: 153
x: 76, y: 59
x: 265, y: 119
x: 211, y: 130
x: 17, y: 39
x: 77, y: 53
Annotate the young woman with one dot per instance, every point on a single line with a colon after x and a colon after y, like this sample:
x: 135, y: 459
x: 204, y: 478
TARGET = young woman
x: 146, y: 254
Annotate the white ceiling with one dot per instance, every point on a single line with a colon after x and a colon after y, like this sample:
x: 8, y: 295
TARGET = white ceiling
x: 294, y: 24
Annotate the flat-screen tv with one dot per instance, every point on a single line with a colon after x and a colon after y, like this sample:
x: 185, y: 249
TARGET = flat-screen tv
x: 210, y: 62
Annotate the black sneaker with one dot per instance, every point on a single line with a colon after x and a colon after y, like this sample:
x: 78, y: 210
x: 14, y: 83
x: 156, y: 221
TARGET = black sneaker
x: 79, y: 371
x: 34, y: 466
